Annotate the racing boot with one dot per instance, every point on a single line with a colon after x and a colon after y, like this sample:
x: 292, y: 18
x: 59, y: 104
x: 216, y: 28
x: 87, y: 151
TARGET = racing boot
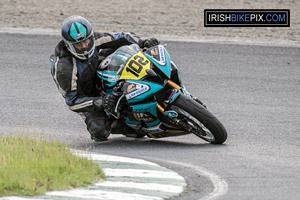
x: 98, y: 126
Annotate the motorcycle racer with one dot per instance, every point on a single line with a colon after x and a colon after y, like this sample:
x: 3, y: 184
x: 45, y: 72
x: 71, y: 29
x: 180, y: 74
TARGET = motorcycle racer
x: 73, y: 68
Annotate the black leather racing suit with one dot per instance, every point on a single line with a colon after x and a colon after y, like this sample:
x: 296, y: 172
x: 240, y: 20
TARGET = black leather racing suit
x: 77, y: 82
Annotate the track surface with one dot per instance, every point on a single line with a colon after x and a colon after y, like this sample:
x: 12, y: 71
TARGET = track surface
x: 253, y: 90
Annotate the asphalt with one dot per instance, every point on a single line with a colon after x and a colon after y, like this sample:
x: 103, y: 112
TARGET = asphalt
x: 254, y: 90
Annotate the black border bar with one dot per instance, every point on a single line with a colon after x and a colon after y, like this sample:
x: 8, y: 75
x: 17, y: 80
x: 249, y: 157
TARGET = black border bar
x: 242, y: 22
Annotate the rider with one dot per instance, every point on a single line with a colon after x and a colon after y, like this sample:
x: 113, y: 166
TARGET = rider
x: 74, y: 64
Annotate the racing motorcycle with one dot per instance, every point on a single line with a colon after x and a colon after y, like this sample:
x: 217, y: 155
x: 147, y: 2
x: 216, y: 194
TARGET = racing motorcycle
x: 151, y: 97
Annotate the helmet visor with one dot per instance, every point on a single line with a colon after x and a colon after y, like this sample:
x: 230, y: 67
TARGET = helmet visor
x: 84, y: 47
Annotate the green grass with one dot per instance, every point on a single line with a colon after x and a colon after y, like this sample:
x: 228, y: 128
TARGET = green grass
x: 31, y: 167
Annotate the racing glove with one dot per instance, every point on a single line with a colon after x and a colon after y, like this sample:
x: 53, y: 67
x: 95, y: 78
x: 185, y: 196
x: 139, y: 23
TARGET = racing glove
x: 109, y: 102
x: 148, y: 42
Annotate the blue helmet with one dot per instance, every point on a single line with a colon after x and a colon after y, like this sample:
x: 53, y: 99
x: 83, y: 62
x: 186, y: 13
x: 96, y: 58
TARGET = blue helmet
x: 76, y: 29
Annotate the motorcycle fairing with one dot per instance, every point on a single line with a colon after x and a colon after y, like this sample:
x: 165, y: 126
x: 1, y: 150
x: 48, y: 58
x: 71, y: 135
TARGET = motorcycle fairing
x: 185, y: 92
x: 173, y: 96
x: 142, y: 90
x: 136, y: 67
x: 159, y: 56
x: 167, y: 133
x: 146, y: 112
x: 110, y: 77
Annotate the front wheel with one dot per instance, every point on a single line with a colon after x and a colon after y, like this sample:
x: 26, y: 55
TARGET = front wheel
x: 201, y: 122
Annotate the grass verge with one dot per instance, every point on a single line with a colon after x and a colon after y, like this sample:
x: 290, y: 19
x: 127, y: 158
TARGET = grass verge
x: 31, y: 167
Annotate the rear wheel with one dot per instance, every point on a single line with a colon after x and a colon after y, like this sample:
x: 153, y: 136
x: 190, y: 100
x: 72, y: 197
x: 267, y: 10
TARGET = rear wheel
x: 199, y: 120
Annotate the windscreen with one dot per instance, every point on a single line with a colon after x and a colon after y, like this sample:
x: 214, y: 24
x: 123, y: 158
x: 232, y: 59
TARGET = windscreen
x: 116, y: 61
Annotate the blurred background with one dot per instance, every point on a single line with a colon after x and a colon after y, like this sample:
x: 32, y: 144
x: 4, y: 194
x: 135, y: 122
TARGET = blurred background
x: 165, y: 19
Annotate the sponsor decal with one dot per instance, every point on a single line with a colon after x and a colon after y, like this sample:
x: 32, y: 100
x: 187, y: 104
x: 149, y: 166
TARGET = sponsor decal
x: 159, y: 57
x: 140, y: 89
x: 246, y: 18
x: 154, y: 52
x: 131, y: 88
x: 142, y: 109
x: 145, y: 117
x: 162, y: 54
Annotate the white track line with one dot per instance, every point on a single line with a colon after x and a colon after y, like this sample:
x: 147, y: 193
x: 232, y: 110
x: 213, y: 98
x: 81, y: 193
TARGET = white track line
x: 143, y: 186
x: 142, y: 173
x: 18, y: 198
x: 98, y: 194
x: 102, y: 157
x: 219, y: 184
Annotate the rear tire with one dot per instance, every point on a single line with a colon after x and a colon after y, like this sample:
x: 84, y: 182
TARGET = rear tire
x: 207, y: 119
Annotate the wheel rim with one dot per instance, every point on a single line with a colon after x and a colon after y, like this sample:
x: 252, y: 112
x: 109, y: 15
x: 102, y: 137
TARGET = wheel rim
x: 197, y: 127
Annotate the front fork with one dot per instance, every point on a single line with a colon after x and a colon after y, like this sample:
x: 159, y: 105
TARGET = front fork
x: 172, y: 115
x: 172, y: 97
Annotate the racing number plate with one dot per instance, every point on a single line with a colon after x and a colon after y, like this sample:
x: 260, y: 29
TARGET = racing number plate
x: 136, y: 67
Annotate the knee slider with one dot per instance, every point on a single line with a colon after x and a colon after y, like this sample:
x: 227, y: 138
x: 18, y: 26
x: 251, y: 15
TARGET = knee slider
x: 98, y: 126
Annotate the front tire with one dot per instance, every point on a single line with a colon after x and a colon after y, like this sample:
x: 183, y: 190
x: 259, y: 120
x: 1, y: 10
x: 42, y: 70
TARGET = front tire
x: 207, y: 120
